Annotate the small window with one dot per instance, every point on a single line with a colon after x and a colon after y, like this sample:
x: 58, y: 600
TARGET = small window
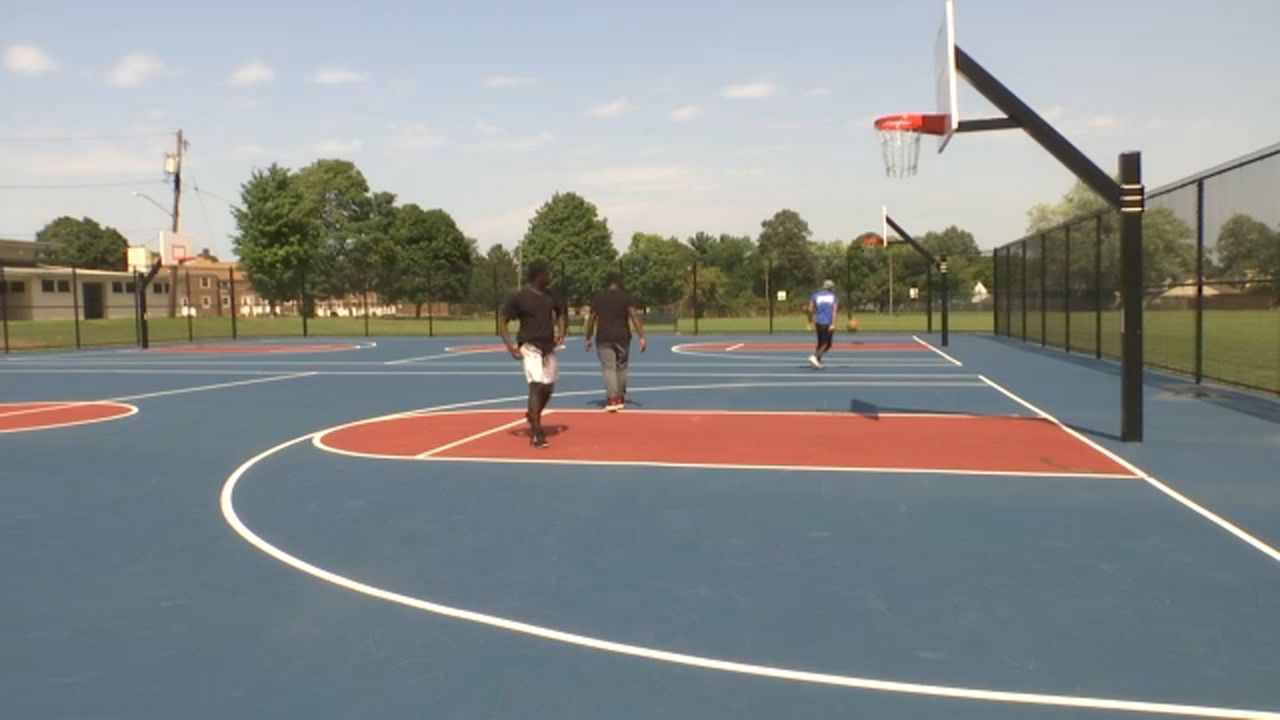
x: 64, y: 286
x: 158, y: 289
x: 117, y: 287
x: 224, y: 284
x: 46, y: 286
x: 205, y: 283
x: 185, y: 302
x: 130, y: 287
x: 226, y: 301
x: 205, y: 303
x: 246, y: 300
x: 17, y: 286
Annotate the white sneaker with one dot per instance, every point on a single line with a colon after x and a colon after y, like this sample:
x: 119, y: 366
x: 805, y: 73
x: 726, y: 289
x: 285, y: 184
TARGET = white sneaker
x: 815, y: 362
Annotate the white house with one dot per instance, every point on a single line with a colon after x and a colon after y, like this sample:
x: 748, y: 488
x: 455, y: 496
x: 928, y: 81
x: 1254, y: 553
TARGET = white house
x: 59, y: 293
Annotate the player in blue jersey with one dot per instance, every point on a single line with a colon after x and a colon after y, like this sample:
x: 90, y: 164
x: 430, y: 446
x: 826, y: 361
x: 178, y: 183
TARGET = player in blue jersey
x: 824, y: 308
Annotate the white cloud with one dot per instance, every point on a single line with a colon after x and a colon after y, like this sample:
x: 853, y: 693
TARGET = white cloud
x: 488, y: 129
x: 508, y: 81
x: 518, y: 143
x: 135, y: 69
x: 505, y: 227
x: 336, y: 147
x: 685, y: 113
x: 1055, y: 113
x: 818, y: 92
x: 28, y: 60
x: 654, y: 177
x: 1103, y: 121
x: 750, y: 91
x: 254, y: 72
x: 95, y: 163
x: 417, y: 137
x: 249, y: 151
x: 610, y: 109
x: 338, y: 76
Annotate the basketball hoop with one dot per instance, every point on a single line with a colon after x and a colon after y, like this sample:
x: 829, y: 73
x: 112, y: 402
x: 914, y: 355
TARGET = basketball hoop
x: 900, y: 140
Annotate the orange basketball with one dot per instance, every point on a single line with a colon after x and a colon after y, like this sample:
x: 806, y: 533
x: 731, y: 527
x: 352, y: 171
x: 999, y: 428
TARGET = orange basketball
x: 852, y: 325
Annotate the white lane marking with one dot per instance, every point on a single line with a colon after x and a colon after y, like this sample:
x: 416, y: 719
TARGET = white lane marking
x: 406, y: 361
x: 227, y: 506
x: 471, y: 438
x: 133, y: 410
x: 739, y: 346
x: 218, y: 386
x: 46, y: 406
x: 948, y: 358
x: 1150, y: 479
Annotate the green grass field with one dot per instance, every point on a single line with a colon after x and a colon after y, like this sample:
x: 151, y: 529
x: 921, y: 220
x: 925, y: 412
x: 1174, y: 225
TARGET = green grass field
x: 1240, y: 346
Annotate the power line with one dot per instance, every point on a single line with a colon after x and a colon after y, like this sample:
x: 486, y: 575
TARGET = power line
x: 78, y: 138
x: 84, y: 186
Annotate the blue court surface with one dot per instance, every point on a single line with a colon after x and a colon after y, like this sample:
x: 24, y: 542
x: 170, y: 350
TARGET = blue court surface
x: 207, y: 557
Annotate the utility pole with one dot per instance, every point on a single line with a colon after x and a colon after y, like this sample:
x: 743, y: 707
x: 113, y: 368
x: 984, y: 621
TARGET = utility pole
x: 173, y: 166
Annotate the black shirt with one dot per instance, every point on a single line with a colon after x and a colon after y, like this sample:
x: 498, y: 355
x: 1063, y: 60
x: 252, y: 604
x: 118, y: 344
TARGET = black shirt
x: 537, y: 312
x: 612, y: 320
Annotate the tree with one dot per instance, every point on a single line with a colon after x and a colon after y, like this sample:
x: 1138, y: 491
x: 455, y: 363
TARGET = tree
x: 275, y: 242
x: 784, y: 241
x: 1168, y: 253
x: 83, y: 244
x: 493, y: 275
x: 568, y: 232
x: 1247, y: 247
x: 657, y: 270
x: 207, y: 256
x: 432, y: 256
x: 735, y: 258
x: 337, y: 198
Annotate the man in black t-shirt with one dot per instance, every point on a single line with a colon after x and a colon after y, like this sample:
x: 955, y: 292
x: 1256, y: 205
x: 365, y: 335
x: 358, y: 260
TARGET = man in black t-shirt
x: 612, y: 315
x: 542, y: 328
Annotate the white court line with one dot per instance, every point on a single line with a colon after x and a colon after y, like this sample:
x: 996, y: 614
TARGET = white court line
x: 739, y: 346
x: 406, y: 361
x: 133, y: 410
x: 396, y: 373
x: 949, y: 359
x: 1150, y: 479
x: 486, y: 433
x: 232, y: 518
x: 218, y: 386
x: 48, y: 405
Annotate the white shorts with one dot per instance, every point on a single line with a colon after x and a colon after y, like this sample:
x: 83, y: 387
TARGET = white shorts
x: 540, y: 368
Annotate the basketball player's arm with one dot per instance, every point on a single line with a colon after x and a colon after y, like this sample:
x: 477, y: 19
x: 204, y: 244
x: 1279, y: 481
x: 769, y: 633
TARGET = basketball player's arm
x: 504, y: 330
x: 835, y: 314
x: 562, y: 323
x: 639, y: 326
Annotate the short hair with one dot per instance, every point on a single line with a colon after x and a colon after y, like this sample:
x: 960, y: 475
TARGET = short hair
x: 537, y: 268
x: 613, y: 278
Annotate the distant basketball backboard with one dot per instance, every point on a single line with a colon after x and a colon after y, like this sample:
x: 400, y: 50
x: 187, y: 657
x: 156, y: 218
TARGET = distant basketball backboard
x: 175, y: 247
x: 948, y: 103
x: 140, y: 258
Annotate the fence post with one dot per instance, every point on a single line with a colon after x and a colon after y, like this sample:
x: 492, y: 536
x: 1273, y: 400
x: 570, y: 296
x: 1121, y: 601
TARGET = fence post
x: 497, y: 325
x: 1066, y: 289
x: 235, y: 308
x: 75, y: 303
x: 1199, y: 339
x: 1132, y: 289
x: 366, y: 311
x: 695, y: 296
x: 1097, y: 287
x: 1023, y: 245
x: 946, y: 300
x: 137, y: 313
x: 1044, y: 292
x: 995, y: 291
x: 4, y: 308
x: 191, y: 308
x: 431, y: 316
x: 1008, y: 292
x: 302, y: 300
x: 768, y: 289
x: 928, y: 296
x: 144, y: 328
x: 848, y: 284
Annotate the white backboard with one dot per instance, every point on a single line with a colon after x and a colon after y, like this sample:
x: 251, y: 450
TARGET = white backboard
x: 948, y: 103
x: 175, y: 247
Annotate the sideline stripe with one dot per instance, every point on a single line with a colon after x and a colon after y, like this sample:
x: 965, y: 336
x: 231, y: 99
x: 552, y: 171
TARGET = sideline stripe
x: 949, y: 359
x: 1150, y: 479
x: 131, y: 410
x: 739, y: 346
x: 45, y: 406
x: 486, y: 433
x: 406, y: 361
x: 218, y: 386
x: 227, y: 505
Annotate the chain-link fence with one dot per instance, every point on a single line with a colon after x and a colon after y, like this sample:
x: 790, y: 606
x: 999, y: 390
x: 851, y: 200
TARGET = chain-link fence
x: 1211, y: 266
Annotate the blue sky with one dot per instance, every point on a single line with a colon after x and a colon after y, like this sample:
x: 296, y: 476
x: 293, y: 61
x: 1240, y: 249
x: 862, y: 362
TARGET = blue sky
x: 672, y: 117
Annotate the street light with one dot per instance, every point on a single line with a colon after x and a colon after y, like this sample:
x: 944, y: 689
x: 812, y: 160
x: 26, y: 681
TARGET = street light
x: 153, y: 201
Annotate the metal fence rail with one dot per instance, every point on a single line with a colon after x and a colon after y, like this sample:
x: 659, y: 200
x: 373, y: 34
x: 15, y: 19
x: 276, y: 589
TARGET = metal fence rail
x: 1211, y: 305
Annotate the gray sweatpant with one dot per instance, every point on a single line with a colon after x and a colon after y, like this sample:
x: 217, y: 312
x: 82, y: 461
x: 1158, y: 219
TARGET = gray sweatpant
x: 613, y: 361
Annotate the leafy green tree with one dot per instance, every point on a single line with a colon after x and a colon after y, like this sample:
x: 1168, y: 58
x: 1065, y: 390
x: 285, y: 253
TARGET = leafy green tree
x: 1168, y: 250
x: 275, y: 240
x: 868, y: 269
x: 484, y: 278
x: 432, y: 256
x: 735, y: 257
x: 83, y: 244
x: 784, y: 241
x: 1247, y: 247
x: 369, y: 257
x: 657, y: 270
x: 338, y: 200
x: 568, y: 232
